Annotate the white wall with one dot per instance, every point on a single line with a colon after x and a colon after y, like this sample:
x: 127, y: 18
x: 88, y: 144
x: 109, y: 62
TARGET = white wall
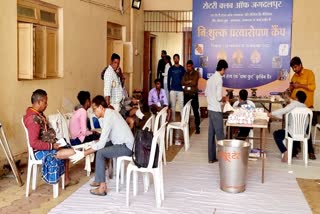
x: 172, y: 43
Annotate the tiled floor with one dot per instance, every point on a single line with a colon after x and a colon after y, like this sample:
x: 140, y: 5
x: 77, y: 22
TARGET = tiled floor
x: 13, y: 200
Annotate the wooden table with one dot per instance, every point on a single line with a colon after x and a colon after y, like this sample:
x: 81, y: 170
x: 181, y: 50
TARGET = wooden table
x: 257, y: 124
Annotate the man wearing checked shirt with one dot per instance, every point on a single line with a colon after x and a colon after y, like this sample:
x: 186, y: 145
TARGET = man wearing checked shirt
x: 112, y: 83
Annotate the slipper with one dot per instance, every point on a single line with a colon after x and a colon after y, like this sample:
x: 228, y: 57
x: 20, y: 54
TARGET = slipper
x: 95, y: 184
x: 71, y: 183
x: 96, y: 192
x: 312, y: 156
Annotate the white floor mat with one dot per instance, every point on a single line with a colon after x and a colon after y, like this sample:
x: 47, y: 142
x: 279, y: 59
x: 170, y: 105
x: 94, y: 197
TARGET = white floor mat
x: 192, y: 186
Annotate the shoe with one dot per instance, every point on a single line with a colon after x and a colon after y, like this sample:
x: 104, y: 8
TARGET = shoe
x: 71, y: 183
x: 312, y: 156
x: 95, y: 184
x: 96, y: 192
x: 213, y: 161
x: 198, y: 131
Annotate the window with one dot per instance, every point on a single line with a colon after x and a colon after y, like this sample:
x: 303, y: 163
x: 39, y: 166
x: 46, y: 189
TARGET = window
x: 38, y: 29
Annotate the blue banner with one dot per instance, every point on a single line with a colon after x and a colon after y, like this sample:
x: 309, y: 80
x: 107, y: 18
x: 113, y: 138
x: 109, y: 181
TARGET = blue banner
x: 253, y: 36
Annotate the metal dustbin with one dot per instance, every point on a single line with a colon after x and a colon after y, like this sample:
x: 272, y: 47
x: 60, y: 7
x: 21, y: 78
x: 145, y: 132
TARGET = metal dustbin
x: 233, y: 163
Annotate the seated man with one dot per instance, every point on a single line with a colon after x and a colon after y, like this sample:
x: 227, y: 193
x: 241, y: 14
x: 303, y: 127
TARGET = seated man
x: 130, y: 109
x: 78, y: 122
x: 116, y: 140
x: 157, y: 99
x: 42, y: 138
x: 243, y: 95
x: 279, y: 135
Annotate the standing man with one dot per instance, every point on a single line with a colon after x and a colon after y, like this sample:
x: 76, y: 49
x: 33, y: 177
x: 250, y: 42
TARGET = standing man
x: 112, y: 83
x: 175, y: 75
x: 190, y: 91
x: 303, y: 80
x: 214, y: 98
x: 161, y: 67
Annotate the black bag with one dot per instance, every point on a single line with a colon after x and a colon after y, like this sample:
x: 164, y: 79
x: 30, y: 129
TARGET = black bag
x: 142, y: 149
x: 102, y: 72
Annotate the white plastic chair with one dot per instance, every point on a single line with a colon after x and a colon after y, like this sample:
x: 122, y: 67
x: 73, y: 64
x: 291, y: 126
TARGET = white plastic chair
x: 121, y: 160
x: 149, y: 124
x: 316, y: 127
x: 33, y: 166
x: 159, y: 121
x: 64, y: 120
x: 182, y: 125
x: 157, y: 172
x: 301, y: 119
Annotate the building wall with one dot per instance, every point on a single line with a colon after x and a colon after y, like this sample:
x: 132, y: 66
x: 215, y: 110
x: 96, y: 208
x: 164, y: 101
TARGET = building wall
x: 171, y: 42
x: 167, y: 5
x: 84, y: 55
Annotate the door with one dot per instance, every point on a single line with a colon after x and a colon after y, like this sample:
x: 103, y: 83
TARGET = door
x: 25, y: 52
x: 149, y: 64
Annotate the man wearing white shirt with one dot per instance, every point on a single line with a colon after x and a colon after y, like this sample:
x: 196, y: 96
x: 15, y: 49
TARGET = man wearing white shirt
x: 279, y: 135
x: 112, y: 83
x: 214, y: 97
x: 116, y: 140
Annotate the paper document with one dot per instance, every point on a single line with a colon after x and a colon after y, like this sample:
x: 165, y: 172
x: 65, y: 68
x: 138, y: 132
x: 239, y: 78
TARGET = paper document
x: 61, y: 142
x: 227, y: 107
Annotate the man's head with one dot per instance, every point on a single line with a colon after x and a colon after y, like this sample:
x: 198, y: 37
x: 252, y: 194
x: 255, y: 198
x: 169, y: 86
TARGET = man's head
x: 167, y: 59
x: 84, y: 99
x: 189, y: 65
x: 243, y: 94
x: 301, y: 96
x: 222, y: 66
x: 163, y: 53
x: 157, y: 83
x: 39, y: 100
x: 99, y: 105
x: 115, y: 61
x: 176, y: 59
x: 296, y: 65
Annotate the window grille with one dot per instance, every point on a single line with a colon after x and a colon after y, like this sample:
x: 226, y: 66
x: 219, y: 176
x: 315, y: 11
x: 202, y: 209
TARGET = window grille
x: 168, y: 21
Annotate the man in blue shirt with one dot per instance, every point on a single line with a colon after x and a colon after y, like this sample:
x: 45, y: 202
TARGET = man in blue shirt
x: 175, y: 75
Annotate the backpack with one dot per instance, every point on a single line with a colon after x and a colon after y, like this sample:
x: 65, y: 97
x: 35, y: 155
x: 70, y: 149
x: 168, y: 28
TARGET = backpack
x: 102, y: 72
x: 52, y: 169
x: 142, y: 149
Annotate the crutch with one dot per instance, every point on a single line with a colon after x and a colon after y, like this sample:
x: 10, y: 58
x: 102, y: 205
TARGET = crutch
x: 7, y: 151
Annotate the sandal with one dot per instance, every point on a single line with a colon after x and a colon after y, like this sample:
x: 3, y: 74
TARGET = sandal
x: 312, y: 156
x: 95, y: 184
x: 96, y: 192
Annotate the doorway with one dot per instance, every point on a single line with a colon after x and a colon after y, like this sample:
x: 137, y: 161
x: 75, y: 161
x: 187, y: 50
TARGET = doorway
x: 150, y: 64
